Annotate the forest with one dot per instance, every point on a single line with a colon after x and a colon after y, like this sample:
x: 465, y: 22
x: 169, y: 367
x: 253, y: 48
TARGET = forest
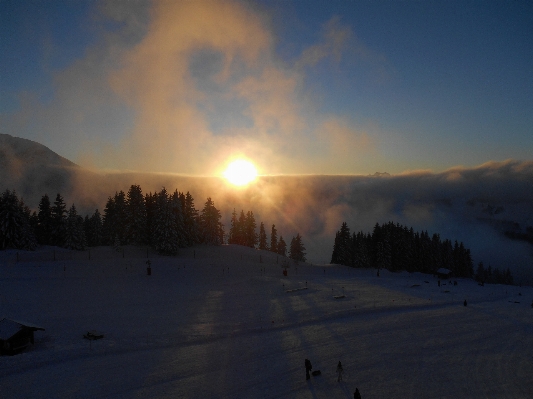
x: 397, y: 248
x: 162, y: 220
x: 167, y: 222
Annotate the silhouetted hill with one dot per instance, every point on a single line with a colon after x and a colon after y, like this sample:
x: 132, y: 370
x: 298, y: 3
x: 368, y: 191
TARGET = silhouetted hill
x: 31, y: 168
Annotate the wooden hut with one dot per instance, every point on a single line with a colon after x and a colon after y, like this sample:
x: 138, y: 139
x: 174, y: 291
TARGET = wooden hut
x: 15, y: 336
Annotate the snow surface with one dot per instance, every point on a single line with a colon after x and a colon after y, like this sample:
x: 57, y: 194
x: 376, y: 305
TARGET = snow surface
x: 218, y: 322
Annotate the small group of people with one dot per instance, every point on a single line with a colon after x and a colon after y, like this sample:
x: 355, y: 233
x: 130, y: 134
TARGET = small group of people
x: 339, y: 371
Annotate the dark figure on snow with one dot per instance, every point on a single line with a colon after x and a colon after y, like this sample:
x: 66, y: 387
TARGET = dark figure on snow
x: 464, y: 303
x: 339, y: 372
x: 308, y: 368
x: 356, y: 394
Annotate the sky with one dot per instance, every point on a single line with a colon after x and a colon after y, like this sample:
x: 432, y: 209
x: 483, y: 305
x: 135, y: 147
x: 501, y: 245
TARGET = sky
x: 296, y: 87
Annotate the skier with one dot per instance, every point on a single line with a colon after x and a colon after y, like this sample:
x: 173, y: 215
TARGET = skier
x: 339, y: 372
x: 308, y: 368
x: 356, y: 394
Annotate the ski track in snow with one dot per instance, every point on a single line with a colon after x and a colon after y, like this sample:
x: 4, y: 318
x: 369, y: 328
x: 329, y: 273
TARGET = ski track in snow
x: 217, y: 322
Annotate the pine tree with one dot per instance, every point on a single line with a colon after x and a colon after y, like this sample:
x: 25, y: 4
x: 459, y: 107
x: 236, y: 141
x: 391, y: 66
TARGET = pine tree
x: 190, y: 218
x: 234, y: 228
x: 210, y: 224
x: 93, y: 229
x: 262, y: 237
x: 274, y: 239
x: 44, y: 229
x: 15, y: 229
x: 250, y: 234
x: 241, y: 229
x: 74, y: 232
x: 297, y: 249
x: 177, y: 211
x: 120, y: 217
x: 164, y: 230
x: 282, y: 247
x: 342, y: 248
x: 108, y: 223
x: 58, y: 223
x: 149, y: 201
x: 135, y: 213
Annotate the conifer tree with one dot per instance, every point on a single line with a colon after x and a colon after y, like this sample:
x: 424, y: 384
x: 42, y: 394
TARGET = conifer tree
x: 241, y: 229
x: 282, y: 246
x: 249, y: 228
x: 74, y: 232
x: 210, y: 225
x: 177, y: 211
x: 59, y: 216
x: 190, y: 218
x: 149, y: 200
x: 44, y: 229
x: 135, y: 213
x: 342, y: 248
x: 165, y: 235
x: 262, y: 237
x: 234, y: 228
x: 297, y: 249
x: 120, y: 217
x: 93, y: 229
x: 15, y: 230
x: 274, y: 239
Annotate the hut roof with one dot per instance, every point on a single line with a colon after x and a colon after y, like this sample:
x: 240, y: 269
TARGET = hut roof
x: 9, y: 327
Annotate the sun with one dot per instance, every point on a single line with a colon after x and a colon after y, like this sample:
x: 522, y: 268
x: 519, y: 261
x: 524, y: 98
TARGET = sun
x: 240, y: 172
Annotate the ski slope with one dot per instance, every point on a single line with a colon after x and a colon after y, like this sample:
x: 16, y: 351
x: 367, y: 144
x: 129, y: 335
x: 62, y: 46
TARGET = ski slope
x: 218, y: 322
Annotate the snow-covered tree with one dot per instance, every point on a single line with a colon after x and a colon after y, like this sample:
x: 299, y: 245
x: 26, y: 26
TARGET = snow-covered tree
x: 59, y: 216
x: 74, y: 232
x: 135, y: 213
x: 342, y: 248
x: 15, y: 229
x: 297, y: 249
x: 190, y: 218
x: 210, y: 225
x: 249, y: 230
x: 282, y: 247
x: 274, y: 239
x: 177, y: 211
x: 165, y: 235
x: 44, y: 228
x: 93, y: 229
x: 234, y: 231
x: 262, y: 237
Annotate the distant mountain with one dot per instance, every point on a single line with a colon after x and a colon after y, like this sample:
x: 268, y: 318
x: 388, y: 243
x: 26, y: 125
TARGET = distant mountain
x: 17, y: 151
x: 32, y: 169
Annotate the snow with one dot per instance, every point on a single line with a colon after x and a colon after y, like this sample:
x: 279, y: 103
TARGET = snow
x: 219, y: 322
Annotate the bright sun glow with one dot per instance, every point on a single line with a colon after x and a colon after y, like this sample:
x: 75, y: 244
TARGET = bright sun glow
x: 240, y: 172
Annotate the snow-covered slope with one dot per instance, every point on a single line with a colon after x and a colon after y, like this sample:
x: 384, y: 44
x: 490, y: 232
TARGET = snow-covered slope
x: 218, y: 322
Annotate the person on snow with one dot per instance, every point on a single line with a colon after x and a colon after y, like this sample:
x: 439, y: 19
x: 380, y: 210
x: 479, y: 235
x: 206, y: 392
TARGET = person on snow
x: 339, y: 371
x: 308, y: 368
x: 356, y: 394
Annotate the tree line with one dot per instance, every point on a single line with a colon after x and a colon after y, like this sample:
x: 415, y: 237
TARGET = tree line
x: 165, y: 221
x: 243, y: 232
x: 395, y: 247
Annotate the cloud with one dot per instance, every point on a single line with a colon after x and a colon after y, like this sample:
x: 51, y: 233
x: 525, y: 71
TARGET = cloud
x: 183, y: 86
